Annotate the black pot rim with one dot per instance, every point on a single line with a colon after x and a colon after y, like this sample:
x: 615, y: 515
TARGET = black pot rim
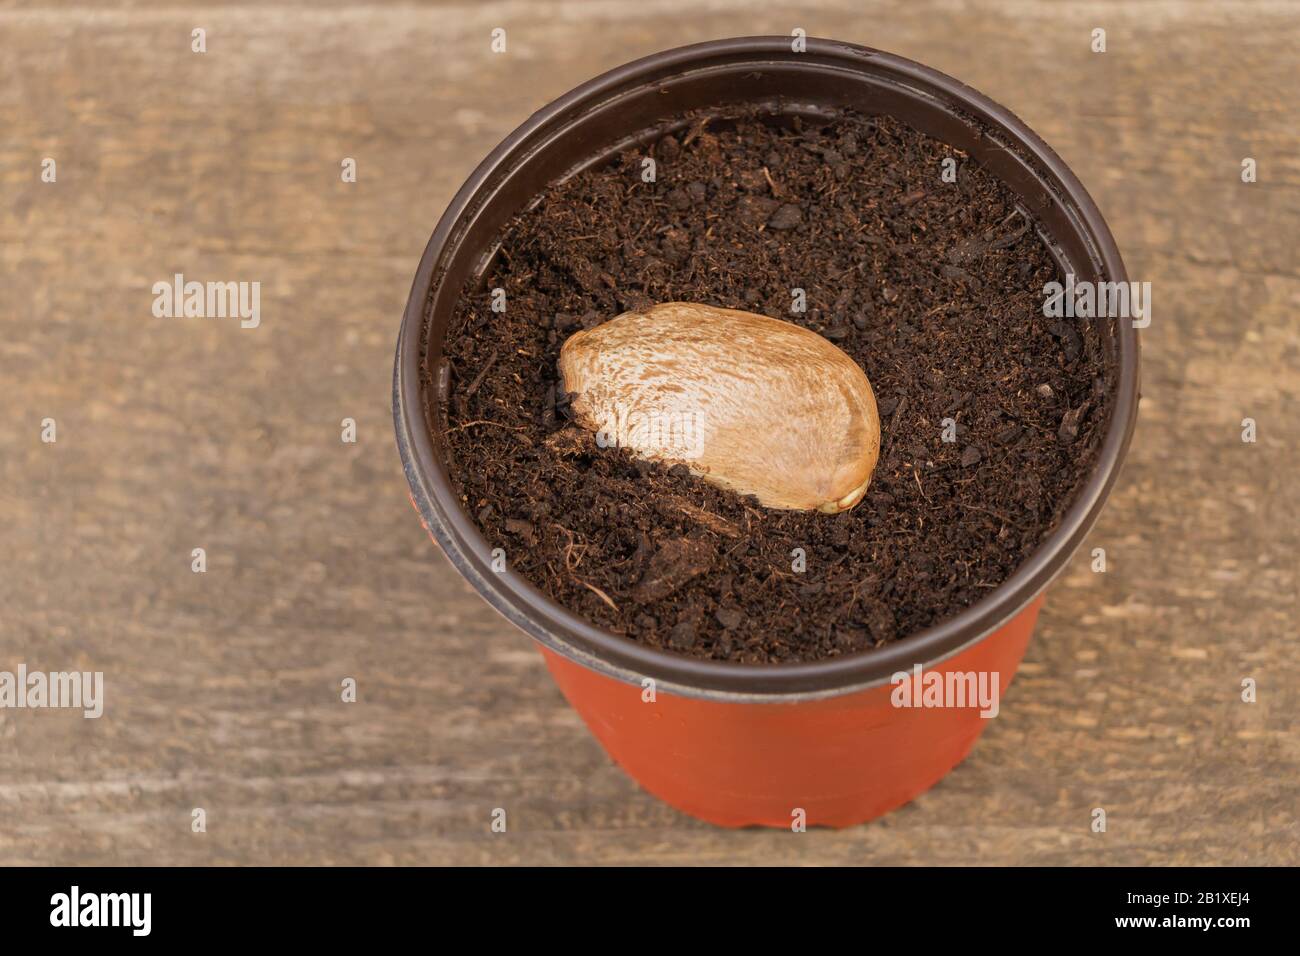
x: 572, y: 636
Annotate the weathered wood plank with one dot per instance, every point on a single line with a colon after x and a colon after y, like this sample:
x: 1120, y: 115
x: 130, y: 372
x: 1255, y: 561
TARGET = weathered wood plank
x: 223, y: 688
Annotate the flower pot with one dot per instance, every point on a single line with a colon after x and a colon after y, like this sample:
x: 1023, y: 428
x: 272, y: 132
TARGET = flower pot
x: 822, y: 742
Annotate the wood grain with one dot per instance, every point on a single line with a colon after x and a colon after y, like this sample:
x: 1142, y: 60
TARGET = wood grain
x: 223, y: 687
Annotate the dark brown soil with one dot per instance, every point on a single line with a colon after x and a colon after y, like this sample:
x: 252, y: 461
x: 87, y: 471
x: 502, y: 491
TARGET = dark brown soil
x: 935, y: 288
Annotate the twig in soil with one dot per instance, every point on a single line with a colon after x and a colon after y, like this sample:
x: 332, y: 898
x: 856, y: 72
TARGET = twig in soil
x: 1001, y: 517
x: 1019, y: 420
x: 776, y: 190
x: 484, y: 421
x: 898, y: 413
x: 1003, y: 242
x: 738, y: 547
x: 695, y: 131
x: 596, y: 591
x: 916, y: 473
x: 569, y: 548
x: 478, y: 379
x: 715, y: 523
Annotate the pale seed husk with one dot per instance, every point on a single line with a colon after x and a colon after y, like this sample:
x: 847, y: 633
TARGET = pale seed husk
x: 750, y: 403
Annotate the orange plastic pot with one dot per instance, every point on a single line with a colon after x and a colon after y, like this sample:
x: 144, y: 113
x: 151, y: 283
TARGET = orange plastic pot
x: 834, y: 761
x: 825, y: 742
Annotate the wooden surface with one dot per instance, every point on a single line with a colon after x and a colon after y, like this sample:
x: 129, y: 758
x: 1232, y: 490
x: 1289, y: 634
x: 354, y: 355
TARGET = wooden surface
x: 223, y: 687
